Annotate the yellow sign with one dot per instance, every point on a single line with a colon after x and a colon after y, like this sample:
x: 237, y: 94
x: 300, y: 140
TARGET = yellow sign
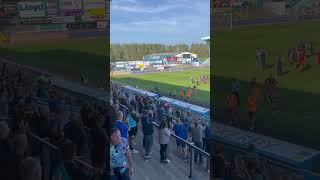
x: 4, y: 37
x: 97, y: 11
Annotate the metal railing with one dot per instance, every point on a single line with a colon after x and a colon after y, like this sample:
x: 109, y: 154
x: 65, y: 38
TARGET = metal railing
x: 192, y: 148
x: 199, y: 116
x: 48, y: 152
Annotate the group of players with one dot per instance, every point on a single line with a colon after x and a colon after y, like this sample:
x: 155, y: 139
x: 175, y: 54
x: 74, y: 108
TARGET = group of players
x: 204, y: 79
x: 296, y: 57
x: 253, y: 100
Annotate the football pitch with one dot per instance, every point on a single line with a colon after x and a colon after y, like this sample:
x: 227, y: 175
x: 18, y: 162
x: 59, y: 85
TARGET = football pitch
x: 299, y: 92
x: 167, y: 81
x: 69, y: 57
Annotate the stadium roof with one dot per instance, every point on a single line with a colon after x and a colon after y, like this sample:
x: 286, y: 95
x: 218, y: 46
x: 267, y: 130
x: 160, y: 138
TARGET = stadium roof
x: 205, y: 38
x: 169, y: 53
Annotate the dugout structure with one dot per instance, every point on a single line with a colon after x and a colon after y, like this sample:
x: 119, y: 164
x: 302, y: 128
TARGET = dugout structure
x: 222, y: 18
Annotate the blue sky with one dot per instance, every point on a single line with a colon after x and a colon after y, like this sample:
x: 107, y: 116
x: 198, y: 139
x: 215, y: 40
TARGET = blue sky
x: 159, y: 21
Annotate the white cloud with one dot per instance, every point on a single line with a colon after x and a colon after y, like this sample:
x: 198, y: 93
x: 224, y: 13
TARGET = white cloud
x: 142, y: 8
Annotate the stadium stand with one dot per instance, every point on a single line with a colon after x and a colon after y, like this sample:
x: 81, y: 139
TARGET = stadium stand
x: 57, y: 120
x: 36, y: 115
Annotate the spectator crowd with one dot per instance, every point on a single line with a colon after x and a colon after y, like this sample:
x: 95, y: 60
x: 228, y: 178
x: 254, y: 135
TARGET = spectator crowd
x: 33, y: 112
x: 131, y: 111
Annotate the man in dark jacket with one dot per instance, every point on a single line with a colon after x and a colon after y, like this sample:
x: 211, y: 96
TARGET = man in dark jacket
x: 147, y: 129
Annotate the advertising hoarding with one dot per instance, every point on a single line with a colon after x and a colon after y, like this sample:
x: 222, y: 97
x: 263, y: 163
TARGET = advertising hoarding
x: 2, y: 10
x: 10, y: 8
x: 102, y: 25
x: 51, y: 27
x: 32, y: 9
x: 70, y: 7
x: 91, y: 25
x: 63, y: 19
x: 35, y: 20
x: 4, y: 37
x: 52, y: 9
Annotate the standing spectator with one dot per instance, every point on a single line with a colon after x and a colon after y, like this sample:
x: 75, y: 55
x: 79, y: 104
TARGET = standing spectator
x: 74, y: 131
x: 164, y: 139
x: 252, y: 158
x: 318, y: 58
x: 30, y: 169
x: 181, y: 131
x: 119, y: 156
x: 147, y: 129
x: 196, y: 135
x: 207, y: 138
x: 133, y: 121
x: 123, y: 128
x: 188, y: 118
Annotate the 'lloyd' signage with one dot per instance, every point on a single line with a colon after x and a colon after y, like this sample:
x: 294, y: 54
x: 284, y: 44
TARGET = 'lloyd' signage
x: 32, y: 9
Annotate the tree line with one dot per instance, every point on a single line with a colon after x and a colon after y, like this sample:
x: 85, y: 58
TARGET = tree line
x: 135, y: 51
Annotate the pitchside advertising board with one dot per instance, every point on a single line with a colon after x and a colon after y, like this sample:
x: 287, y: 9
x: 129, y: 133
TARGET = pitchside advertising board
x: 291, y: 154
x: 77, y: 14
x: 33, y: 12
x: 4, y: 37
x: 51, y: 27
x: 70, y: 7
x: 32, y: 9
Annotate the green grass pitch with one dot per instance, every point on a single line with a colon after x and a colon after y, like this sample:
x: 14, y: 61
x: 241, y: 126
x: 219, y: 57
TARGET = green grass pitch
x: 167, y: 81
x: 234, y: 56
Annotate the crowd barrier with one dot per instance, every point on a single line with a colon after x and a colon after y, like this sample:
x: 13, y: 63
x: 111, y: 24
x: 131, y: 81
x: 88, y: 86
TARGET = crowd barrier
x: 191, y: 147
x: 48, y: 153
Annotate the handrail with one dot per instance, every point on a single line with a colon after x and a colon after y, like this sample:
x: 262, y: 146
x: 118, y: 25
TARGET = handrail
x: 43, y: 141
x: 193, y: 147
x: 186, y: 142
x: 48, y: 144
